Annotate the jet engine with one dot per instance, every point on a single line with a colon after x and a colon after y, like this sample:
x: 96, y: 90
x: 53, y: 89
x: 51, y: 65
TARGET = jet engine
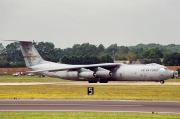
x: 103, y: 74
x: 88, y: 74
x: 94, y: 75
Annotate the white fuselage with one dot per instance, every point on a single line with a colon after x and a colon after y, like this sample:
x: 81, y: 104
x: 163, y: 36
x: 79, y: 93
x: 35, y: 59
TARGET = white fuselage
x: 148, y: 72
x: 142, y: 72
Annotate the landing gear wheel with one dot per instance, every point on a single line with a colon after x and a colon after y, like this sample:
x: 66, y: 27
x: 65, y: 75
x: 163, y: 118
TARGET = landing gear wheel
x: 92, y: 81
x: 162, y: 81
x: 103, y: 81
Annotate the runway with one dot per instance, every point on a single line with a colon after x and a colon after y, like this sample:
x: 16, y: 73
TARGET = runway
x: 172, y: 107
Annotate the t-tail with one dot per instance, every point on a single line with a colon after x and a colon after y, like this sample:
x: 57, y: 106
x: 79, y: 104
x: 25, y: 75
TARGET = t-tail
x: 29, y: 52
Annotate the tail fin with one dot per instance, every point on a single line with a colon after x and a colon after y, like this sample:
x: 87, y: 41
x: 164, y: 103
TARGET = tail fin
x: 29, y: 52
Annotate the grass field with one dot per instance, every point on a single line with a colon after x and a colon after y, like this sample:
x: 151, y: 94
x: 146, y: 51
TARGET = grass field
x: 29, y: 79
x: 84, y: 115
x: 173, y: 80
x: 122, y: 92
x: 127, y: 92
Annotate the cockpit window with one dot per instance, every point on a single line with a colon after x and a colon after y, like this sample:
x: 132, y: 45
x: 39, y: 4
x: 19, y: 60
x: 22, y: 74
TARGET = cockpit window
x: 163, y: 68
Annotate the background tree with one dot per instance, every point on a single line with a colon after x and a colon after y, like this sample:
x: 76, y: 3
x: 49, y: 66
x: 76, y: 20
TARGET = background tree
x: 84, y: 49
x: 137, y: 52
x: 45, y: 49
x: 101, y: 50
x: 17, y: 64
x: 94, y: 59
x: 58, y: 54
x: 121, y: 53
x: 153, y: 55
x: 80, y: 60
x: 107, y: 59
x: 172, y: 59
x: 11, y: 56
x: 131, y: 56
x: 13, y: 53
x: 2, y: 49
x: 112, y: 49
x: 4, y: 64
x: 65, y: 60
x: 49, y: 58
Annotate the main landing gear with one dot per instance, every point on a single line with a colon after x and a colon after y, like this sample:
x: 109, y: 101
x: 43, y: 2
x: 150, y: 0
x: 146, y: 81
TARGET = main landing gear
x: 96, y: 80
x: 92, y: 81
x: 103, y: 80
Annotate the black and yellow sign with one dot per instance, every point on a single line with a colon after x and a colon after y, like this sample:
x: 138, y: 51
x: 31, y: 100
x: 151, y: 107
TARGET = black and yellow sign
x: 90, y: 90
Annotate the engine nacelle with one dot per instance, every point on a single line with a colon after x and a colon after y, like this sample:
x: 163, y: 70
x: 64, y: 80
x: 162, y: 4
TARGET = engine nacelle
x: 88, y: 74
x: 103, y: 74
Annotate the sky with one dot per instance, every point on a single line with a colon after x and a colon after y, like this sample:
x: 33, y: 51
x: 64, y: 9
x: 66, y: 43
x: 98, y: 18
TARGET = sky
x: 69, y: 22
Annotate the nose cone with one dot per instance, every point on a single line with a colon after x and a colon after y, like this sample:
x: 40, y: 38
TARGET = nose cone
x: 169, y: 74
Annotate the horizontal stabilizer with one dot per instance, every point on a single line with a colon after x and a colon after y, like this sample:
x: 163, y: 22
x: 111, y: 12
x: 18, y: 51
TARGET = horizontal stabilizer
x: 20, y: 41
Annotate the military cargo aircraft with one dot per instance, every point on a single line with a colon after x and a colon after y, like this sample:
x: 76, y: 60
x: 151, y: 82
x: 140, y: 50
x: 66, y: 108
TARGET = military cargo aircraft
x: 93, y: 73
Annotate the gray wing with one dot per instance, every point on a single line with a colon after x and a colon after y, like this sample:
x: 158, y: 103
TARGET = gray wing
x: 107, y: 66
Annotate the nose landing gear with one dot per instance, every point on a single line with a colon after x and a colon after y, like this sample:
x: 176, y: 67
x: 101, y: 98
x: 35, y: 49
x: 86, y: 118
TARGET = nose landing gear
x: 162, y: 81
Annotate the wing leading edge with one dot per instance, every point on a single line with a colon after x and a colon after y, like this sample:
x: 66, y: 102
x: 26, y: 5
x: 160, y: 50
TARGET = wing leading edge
x: 77, y: 67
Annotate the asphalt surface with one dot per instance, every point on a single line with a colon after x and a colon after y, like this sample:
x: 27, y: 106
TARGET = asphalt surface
x: 89, y: 106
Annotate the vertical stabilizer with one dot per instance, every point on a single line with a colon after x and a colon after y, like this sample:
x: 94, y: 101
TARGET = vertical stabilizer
x: 30, y: 54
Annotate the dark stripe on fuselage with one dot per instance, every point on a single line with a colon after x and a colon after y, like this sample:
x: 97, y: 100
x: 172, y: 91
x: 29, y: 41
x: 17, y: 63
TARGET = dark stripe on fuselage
x: 31, y: 57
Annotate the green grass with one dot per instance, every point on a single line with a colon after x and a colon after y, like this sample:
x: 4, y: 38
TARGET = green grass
x: 9, y: 78
x: 122, y: 92
x: 84, y: 115
x: 173, y: 80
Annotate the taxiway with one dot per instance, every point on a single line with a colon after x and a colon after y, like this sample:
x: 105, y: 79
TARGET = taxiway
x: 90, y: 106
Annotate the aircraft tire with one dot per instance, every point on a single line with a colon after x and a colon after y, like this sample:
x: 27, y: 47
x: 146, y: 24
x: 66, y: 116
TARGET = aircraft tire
x: 92, y: 81
x: 162, y: 81
x: 103, y: 81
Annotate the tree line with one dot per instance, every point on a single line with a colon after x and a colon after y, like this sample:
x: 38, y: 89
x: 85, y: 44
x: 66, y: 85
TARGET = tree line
x: 11, y: 56
x: 87, y: 59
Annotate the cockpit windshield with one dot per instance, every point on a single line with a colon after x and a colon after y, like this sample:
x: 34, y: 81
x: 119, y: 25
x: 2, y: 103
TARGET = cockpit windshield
x: 163, y: 68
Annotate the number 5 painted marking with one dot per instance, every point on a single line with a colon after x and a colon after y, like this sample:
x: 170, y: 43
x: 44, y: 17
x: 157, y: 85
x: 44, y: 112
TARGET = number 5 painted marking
x: 90, y: 90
